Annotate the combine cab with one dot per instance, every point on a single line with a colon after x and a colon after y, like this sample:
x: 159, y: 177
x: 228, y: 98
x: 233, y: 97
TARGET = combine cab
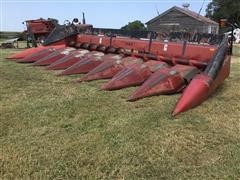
x: 155, y: 67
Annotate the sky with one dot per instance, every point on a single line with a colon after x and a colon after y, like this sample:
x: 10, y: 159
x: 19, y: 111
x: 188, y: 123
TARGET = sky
x: 99, y: 13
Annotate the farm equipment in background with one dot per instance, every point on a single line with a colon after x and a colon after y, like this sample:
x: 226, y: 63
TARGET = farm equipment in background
x: 38, y: 30
x: 158, y: 67
x: 10, y: 43
x: 236, y: 35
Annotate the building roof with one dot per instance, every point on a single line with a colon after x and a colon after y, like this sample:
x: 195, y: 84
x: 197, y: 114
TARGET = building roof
x: 187, y: 12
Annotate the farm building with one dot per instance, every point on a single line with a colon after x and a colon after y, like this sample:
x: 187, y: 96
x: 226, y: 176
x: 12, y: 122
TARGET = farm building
x: 182, y: 19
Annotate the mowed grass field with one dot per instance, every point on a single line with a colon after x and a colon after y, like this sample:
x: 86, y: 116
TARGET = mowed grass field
x: 55, y: 128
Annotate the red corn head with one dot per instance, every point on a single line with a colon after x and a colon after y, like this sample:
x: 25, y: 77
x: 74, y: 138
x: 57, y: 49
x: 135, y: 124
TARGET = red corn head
x: 194, y: 94
x: 51, y: 58
x: 26, y: 52
x: 110, y: 67
x: 86, y: 64
x: 36, y: 56
x: 200, y: 87
x: 31, y: 51
x: 133, y: 75
x: 68, y: 60
x: 165, y: 81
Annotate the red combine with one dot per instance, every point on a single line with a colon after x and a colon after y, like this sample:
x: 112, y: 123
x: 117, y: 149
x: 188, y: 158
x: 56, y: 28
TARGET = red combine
x: 157, y: 67
x: 39, y: 29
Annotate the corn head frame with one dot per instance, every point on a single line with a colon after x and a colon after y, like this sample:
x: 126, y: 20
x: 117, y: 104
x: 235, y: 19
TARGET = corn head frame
x: 156, y: 67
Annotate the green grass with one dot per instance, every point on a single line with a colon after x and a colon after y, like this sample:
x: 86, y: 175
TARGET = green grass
x: 236, y: 50
x: 54, y: 128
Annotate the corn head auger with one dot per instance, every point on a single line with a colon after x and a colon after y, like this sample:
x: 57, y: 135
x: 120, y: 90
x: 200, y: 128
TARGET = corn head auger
x: 157, y: 67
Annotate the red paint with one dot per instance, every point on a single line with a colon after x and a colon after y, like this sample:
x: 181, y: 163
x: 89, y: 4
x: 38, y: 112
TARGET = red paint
x: 53, y: 57
x: 158, y: 48
x: 36, y: 56
x: 200, y: 88
x: 68, y: 60
x: 133, y: 75
x: 33, y: 50
x: 86, y: 64
x: 164, y: 81
x: 40, y: 26
x: 160, y: 82
x: 110, y: 67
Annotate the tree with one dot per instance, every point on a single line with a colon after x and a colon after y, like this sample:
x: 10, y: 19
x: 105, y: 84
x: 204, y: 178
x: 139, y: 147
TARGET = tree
x: 224, y: 9
x: 135, y: 25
